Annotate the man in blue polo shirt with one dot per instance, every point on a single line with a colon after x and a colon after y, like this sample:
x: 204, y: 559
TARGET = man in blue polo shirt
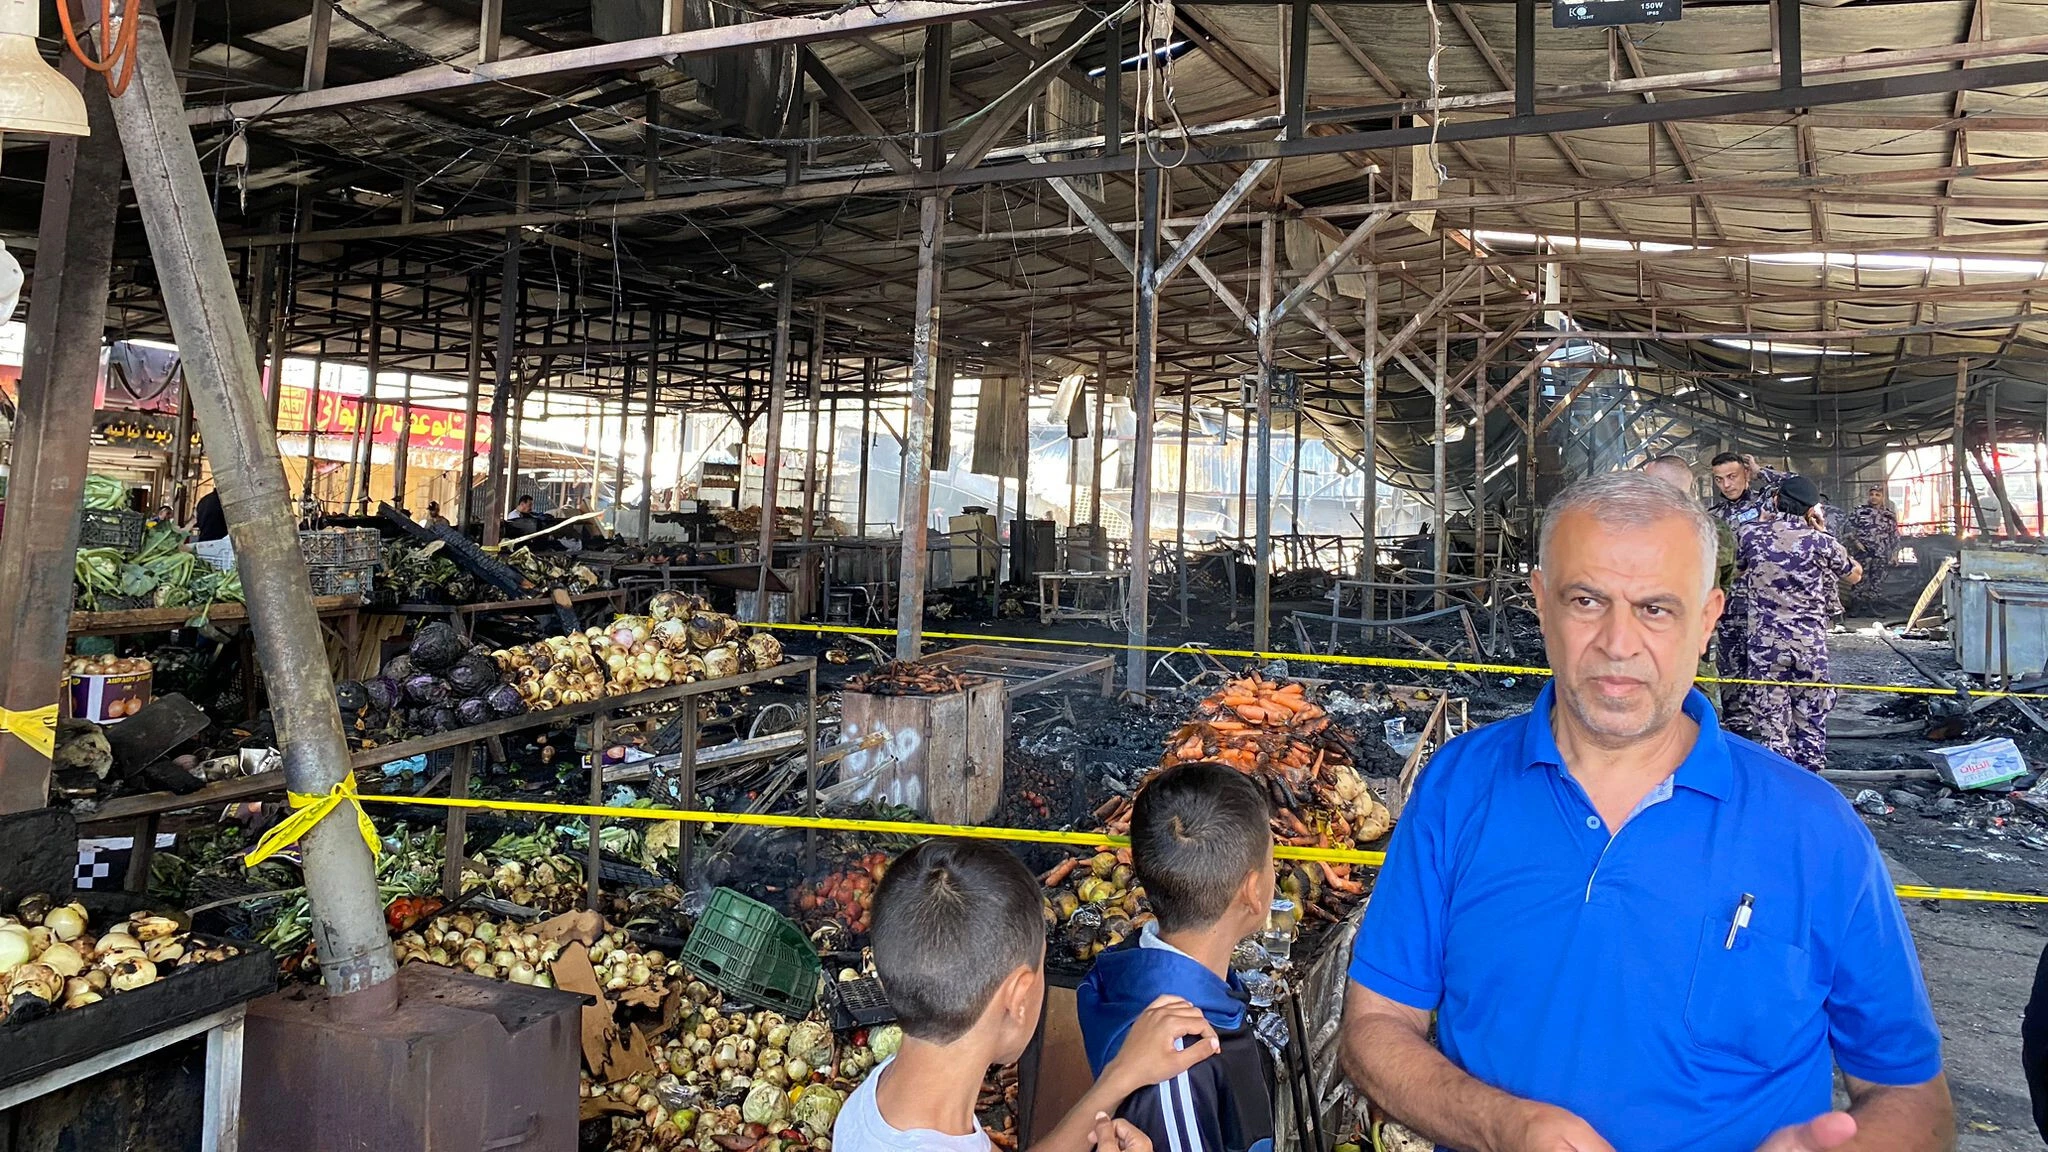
x: 1636, y: 931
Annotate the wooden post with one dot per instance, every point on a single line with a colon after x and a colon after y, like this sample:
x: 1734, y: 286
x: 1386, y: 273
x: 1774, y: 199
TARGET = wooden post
x: 916, y: 455
x: 53, y: 427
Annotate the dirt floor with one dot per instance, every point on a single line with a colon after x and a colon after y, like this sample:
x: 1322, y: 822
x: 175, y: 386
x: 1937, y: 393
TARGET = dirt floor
x: 1979, y: 958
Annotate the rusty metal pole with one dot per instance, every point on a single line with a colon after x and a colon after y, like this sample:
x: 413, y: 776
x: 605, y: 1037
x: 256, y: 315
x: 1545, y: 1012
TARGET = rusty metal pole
x: 917, y: 430
x: 1144, y: 354
x: 1368, y: 431
x: 1095, y: 462
x: 306, y: 492
x: 1442, y: 402
x: 1262, y: 547
x: 1958, y: 478
x: 815, y: 369
x: 647, y: 429
x: 867, y: 441
x: 1479, y: 474
x: 53, y: 426
x: 1020, y: 548
x: 220, y: 370
x: 502, y: 387
x: 401, y: 445
x: 466, y: 475
x: 771, y: 459
x: 1180, y: 504
x: 181, y: 454
x: 284, y: 270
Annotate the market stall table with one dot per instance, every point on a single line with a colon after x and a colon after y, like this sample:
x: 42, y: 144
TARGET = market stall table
x: 145, y: 810
x: 343, y: 612
x: 220, y: 1117
x: 135, y: 622
x: 1027, y: 670
x: 463, y: 616
x: 1069, y: 597
x: 462, y: 740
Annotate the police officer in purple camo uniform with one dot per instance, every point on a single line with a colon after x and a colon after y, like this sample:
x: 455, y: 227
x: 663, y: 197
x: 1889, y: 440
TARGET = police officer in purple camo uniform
x: 1745, y: 493
x: 1790, y: 569
x: 1874, y: 534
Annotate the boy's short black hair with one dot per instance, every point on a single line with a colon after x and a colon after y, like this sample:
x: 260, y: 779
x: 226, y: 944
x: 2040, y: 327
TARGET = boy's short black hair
x: 1727, y: 458
x: 952, y: 920
x: 1197, y: 831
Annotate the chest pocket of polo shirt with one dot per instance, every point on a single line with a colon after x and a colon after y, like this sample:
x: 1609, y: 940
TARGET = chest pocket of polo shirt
x: 1755, y: 1000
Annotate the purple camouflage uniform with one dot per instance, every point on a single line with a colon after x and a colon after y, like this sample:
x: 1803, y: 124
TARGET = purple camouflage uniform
x: 1789, y: 572
x: 1759, y: 503
x: 1873, y: 539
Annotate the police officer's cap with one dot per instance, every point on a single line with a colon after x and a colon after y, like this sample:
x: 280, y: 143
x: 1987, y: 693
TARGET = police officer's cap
x: 1796, y: 494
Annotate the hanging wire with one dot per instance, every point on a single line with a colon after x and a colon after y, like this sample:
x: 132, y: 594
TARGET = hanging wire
x: 120, y: 54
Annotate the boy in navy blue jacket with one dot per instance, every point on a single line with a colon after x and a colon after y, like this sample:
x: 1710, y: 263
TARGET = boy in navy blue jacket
x: 1202, y: 846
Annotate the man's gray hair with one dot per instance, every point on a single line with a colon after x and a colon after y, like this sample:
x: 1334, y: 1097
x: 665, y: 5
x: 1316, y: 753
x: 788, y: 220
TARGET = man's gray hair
x: 1632, y: 500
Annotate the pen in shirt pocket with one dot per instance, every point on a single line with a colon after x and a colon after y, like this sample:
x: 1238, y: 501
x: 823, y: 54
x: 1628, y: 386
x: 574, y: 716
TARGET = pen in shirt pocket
x: 1739, y: 921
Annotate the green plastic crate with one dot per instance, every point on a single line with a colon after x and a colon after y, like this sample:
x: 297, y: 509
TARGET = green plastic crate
x: 750, y: 952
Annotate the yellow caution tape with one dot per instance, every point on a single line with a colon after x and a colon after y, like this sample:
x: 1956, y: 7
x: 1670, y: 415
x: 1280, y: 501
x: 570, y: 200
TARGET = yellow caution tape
x: 1922, y: 892
x: 1392, y: 661
x: 310, y: 809
x: 980, y: 832
x: 837, y: 824
x: 35, y: 727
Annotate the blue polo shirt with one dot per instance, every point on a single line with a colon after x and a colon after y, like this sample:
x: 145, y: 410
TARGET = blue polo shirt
x: 1590, y: 970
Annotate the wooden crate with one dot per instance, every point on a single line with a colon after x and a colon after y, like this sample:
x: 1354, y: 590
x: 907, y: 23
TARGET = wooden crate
x: 943, y: 755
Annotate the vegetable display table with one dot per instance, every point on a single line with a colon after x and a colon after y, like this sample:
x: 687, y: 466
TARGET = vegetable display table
x: 341, y: 616
x: 1027, y: 670
x: 145, y: 809
x: 463, y: 616
x: 221, y: 1111
x: 143, y: 620
x: 1071, y: 597
x: 601, y: 713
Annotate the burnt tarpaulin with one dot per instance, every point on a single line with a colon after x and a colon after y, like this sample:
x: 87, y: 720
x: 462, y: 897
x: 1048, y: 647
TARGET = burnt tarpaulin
x: 752, y: 89
x: 143, y: 377
x: 999, y: 427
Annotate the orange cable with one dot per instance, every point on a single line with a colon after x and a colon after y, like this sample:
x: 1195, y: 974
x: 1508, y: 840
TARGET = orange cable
x: 121, y: 53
